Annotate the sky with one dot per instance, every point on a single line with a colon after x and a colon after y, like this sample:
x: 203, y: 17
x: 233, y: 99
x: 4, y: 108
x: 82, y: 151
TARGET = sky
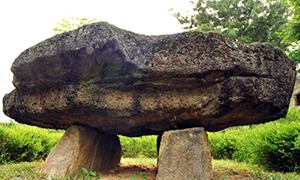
x: 25, y: 23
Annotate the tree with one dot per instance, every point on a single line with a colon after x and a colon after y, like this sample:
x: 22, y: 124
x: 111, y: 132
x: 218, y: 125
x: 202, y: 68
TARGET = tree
x: 291, y: 35
x: 240, y: 20
x: 71, y: 24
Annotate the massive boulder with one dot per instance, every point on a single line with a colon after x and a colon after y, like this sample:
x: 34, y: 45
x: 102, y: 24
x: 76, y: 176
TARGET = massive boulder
x: 119, y: 82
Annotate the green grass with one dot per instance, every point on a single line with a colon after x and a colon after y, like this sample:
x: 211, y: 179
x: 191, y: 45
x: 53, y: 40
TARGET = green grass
x: 141, y: 160
x: 23, y: 170
x: 252, y: 170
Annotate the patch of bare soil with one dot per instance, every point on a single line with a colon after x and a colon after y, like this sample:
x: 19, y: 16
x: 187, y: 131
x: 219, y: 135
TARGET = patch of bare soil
x: 126, y: 171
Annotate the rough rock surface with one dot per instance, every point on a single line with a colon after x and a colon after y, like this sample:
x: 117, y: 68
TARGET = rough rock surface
x: 82, y: 147
x: 184, y: 154
x: 119, y: 82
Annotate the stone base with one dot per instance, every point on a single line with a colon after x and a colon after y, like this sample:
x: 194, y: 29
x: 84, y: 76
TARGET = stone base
x: 82, y: 147
x: 184, y: 155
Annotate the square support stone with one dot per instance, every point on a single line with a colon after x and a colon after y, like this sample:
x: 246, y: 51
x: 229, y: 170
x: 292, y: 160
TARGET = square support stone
x: 184, y: 155
x: 82, y: 147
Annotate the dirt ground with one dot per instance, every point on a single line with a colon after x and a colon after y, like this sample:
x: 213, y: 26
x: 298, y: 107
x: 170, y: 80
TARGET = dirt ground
x: 126, y: 171
x: 230, y: 176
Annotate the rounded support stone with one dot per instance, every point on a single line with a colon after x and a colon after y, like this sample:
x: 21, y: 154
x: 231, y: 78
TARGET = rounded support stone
x: 82, y: 147
x: 184, y: 154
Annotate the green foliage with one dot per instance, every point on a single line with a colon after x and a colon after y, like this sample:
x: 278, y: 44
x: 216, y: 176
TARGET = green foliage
x: 244, y: 21
x: 28, y: 143
x: 260, y: 175
x: 25, y: 143
x: 278, y: 147
x: 223, y: 144
x: 275, y: 145
x: 292, y: 28
x: 142, y: 176
x: 291, y: 33
x: 137, y: 146
x: 294, y: 52
x: 71, y: 24
x: 87, y: 175
x: 221, y: 179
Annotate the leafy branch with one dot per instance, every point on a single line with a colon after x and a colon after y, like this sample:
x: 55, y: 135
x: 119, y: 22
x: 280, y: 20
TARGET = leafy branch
x: 71, y: 23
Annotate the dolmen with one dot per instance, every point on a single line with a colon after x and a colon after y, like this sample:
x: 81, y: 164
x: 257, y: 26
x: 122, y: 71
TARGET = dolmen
x: 99, y: 81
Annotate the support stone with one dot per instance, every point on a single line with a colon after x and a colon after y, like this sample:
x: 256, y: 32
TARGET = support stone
x: 184, y: 154
x: 82, y: 147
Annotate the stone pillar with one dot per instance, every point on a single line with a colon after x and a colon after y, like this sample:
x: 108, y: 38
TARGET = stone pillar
x: 184, y: 155
x: 82, y: 147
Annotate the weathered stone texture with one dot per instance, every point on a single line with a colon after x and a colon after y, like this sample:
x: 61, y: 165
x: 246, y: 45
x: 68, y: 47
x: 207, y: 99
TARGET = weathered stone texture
x: 184, y: 155
x: 82, y: 147
x: 119, y: 82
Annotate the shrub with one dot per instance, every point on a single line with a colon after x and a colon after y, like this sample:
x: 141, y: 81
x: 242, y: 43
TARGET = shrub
x: 275, y: 145
x: 223, y: 144
x: 25, y: 143
x: 139, y: 146
x: 278, y: 148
